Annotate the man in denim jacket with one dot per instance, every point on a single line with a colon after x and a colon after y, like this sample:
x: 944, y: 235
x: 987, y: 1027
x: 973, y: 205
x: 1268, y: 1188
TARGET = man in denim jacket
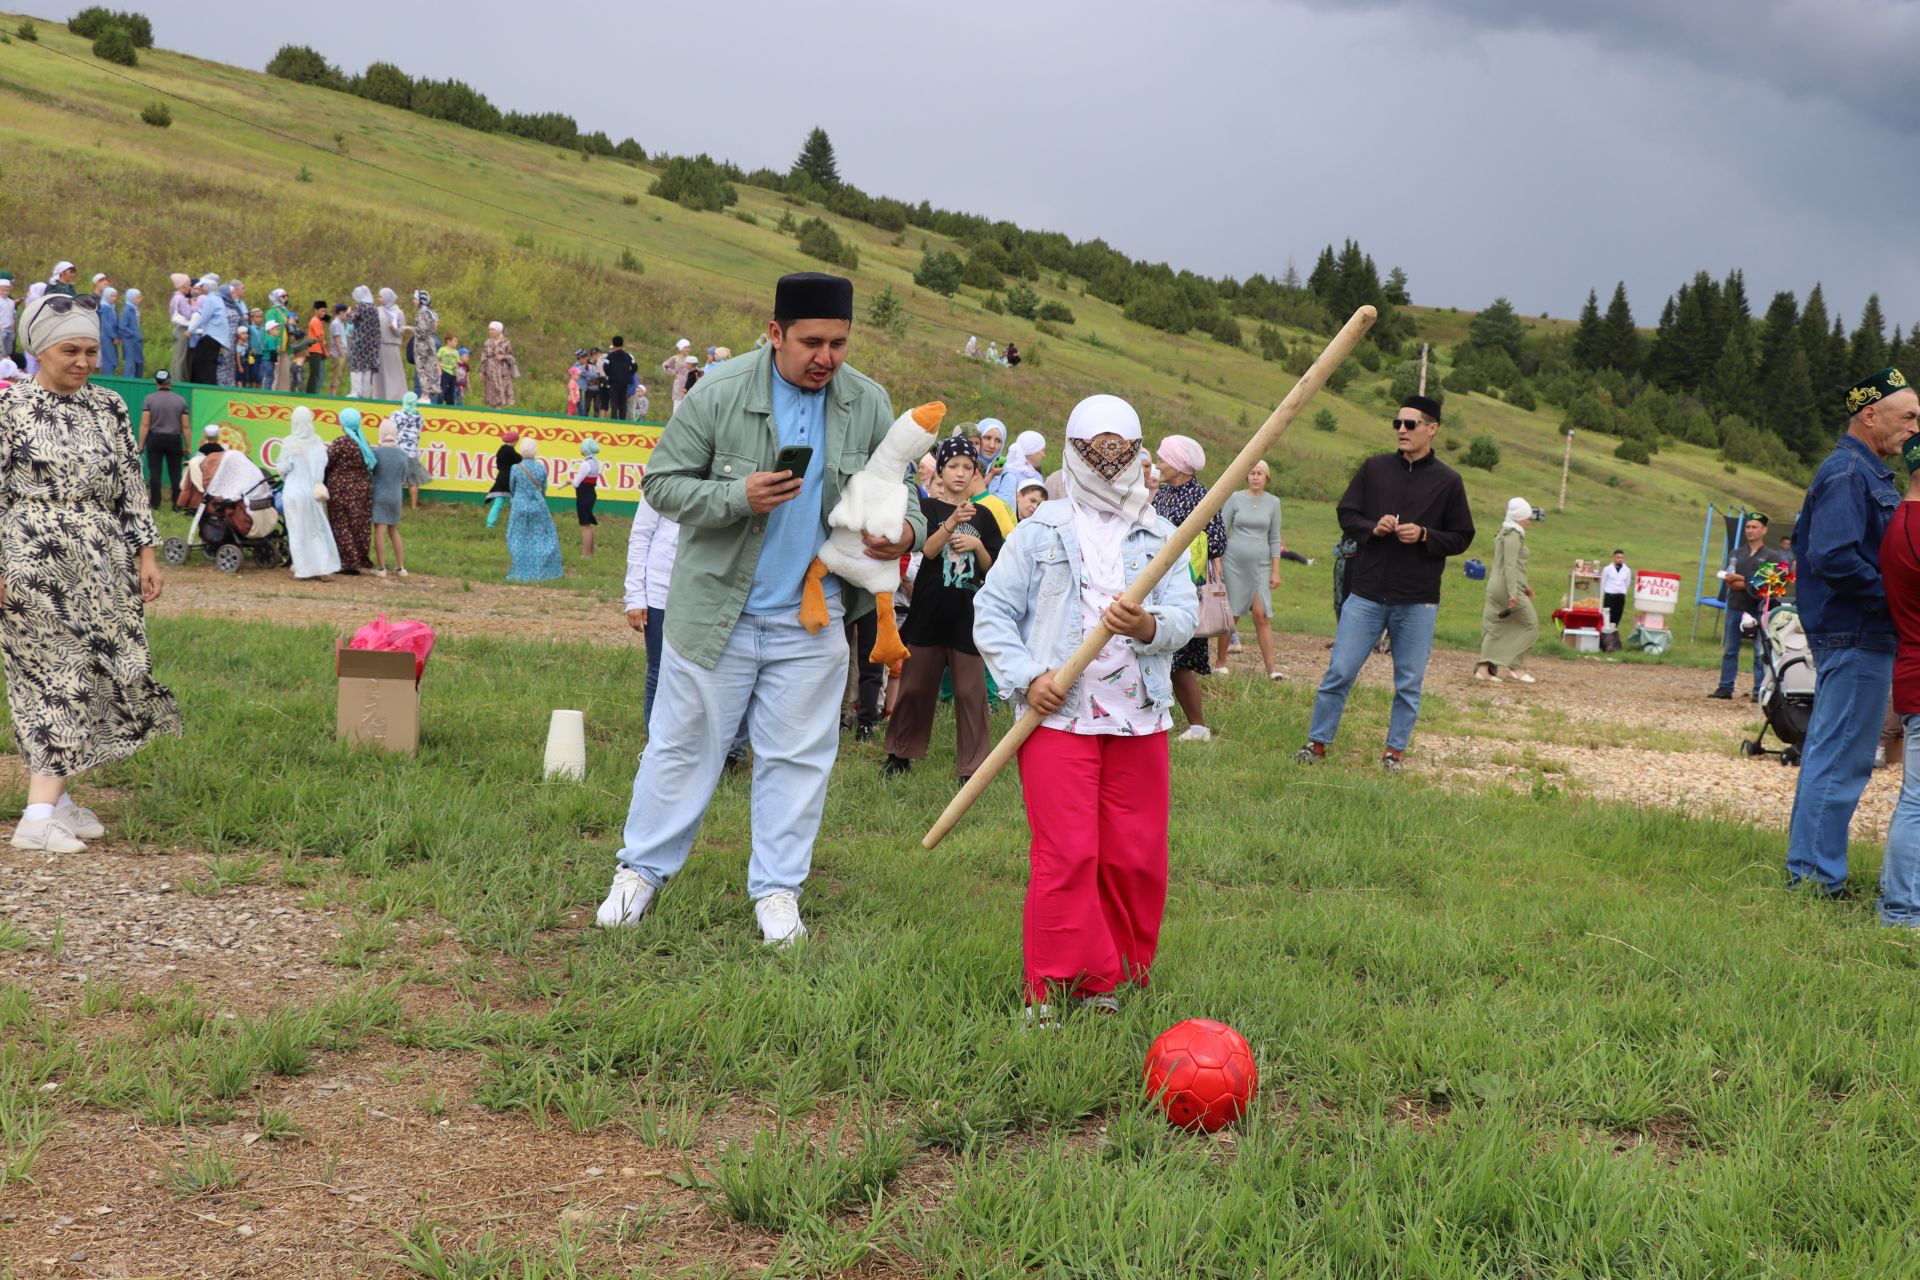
x: 1843, y: 606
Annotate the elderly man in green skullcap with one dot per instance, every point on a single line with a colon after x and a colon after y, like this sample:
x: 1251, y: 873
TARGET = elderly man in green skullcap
x: 1850, y: 631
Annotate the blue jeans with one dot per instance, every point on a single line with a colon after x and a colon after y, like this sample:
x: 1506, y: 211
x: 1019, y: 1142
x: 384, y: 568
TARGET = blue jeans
x: 1851, y: 687
x: 1900, y: 870
x: 787, y: 683
x: 1410, y: 627
x: 1730, y: 654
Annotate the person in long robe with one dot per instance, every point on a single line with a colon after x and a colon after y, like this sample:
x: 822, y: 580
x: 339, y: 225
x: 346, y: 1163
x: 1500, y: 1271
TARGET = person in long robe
x: 77, y: 543
x: 1508, y: 623
x: 133, y: 343
x: 393, y: 369
x: 426, y: 355
x: 498, y: 368
x: 1252, y: 520
x: 303, y: 470
x: 350, y: 493
x: 532, y: 539
x: 363, y: 345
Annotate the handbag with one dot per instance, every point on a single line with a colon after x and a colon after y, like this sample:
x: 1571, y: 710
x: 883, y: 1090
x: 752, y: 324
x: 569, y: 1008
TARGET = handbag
x: 1216, y: 615
x: 320, y: 493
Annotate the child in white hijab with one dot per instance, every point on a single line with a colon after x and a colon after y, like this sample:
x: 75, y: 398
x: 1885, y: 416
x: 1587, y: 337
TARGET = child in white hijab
x: 1096, y: 774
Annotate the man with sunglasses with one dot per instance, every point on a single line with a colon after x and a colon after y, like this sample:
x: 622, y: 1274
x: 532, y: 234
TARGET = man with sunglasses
x: 1408, y: 512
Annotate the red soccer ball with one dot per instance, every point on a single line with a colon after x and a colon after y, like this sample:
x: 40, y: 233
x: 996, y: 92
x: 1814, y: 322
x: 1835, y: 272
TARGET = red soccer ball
x: 1201, y: 1073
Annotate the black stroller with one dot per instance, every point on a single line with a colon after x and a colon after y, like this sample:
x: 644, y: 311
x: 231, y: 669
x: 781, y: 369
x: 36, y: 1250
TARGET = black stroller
x: 1786, y: 685
x: 243, y: 519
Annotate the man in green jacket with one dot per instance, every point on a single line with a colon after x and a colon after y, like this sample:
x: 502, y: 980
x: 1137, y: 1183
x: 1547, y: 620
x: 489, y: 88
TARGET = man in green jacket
x: 734, y: 642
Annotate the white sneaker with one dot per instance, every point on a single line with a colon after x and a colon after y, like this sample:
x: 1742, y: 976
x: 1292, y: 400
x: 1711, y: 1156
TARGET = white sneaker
x: 626, y: 902
x: 50, y: 834
x: 403, y: 573
x: 84, y: 823
x: 1196, y: 733
x: 779, y: 916
x: 379, y: 573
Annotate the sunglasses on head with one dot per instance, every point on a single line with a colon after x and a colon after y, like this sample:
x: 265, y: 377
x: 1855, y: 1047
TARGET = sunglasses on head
x: 1407, y: 424
x: 60, y: 303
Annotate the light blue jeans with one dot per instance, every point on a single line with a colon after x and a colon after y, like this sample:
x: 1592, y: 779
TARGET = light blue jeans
x: 1410, y: 627
x: 787, y: 684
x: 1900, y: 870
x: 1850, y: 691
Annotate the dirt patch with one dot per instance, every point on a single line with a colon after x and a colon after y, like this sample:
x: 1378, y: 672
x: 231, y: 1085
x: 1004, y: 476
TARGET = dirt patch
x: 133, y: 918
x: 451, y: 605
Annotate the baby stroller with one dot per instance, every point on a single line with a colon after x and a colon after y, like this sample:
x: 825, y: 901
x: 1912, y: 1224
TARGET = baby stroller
x: 234, y: 513
x: 1786, y: 685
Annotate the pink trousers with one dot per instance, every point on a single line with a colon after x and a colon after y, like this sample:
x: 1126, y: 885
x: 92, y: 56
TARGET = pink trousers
x: 1097, y: 805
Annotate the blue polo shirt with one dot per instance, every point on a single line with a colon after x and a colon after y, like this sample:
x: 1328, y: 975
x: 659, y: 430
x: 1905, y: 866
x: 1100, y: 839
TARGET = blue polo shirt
x: 796, y: 529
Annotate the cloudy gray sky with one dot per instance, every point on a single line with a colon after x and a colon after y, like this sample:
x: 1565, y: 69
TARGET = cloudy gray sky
x: 1487, y: 146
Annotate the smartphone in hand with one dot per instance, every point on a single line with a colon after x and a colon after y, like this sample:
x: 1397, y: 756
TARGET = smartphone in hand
x: 795, y: 458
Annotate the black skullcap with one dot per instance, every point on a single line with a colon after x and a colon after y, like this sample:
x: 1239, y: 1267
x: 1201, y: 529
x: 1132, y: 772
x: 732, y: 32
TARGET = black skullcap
x: 812, y: 295
x: 1423, y: 404
x: 955, y: 447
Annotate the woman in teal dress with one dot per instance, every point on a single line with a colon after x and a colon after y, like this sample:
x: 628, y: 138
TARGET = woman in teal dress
x: 532, y: 539
x: 1252, y: 518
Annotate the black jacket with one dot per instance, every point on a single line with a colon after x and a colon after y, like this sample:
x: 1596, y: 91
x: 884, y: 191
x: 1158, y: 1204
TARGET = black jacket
x: 620, y: 370
x: 1428, y: 493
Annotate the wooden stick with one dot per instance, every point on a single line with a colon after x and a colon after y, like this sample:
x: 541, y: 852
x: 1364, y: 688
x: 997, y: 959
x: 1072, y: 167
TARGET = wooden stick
x: 1173, y: 553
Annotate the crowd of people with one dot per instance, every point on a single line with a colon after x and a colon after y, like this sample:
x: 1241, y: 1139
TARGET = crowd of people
x: 1008, y: 359
x: 1004, y: 567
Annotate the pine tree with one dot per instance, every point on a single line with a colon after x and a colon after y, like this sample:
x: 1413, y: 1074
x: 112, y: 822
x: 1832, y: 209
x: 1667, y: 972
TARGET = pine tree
x: 1868, y: 350
x: 1731, y: 388
x: 1588, y: 339
x: 1838, y: 355
x: 1794, y: 411
x: 1813, y: 339
x: 1291, y: 280
x: 816, y: 159
x: 1325, y: 276
x: 1395, y: 291
x: 1779, y: 342
x: 1660, y: 354
x: 1896, y: 348
x: 1622, y: 339
x: 1688, y: 359
x: 1497, y: 327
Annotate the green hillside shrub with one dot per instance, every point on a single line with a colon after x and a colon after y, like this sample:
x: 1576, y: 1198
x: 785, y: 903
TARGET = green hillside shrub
x: 1326, y: 421
x: 1521, y: 397
x: 1633, y: 451
x: 157, y: 114
x: 938, y: 271
x: 27, y: 31
x: 305, y: 65
x: 1224, y: 328
x: 115, y: 45
x: 819, y: 240
x: 95, y: 21
x: 1057, y: 312
x: 695, y: 183
x: 1022, y: 301
x: 1483, y: 453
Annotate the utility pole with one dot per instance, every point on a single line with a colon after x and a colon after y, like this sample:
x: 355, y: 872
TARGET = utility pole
x: 1566, y: 465
x: 1423, y: 368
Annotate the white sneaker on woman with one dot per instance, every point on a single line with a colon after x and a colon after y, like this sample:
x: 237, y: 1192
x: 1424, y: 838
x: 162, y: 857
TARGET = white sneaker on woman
x: 50, y: 834
x: 84, y: 823
x: 626, y: 902
x: 779, y: 916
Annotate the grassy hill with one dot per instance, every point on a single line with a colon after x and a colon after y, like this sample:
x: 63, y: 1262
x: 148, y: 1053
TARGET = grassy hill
x: 317, y: 191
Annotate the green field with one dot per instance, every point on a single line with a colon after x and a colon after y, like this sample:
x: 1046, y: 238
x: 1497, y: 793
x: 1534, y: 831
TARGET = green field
x: 1502, y: 1032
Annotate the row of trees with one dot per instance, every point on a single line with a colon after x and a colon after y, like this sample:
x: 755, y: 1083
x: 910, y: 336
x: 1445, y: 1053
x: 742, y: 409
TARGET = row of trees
x: 451, y: 100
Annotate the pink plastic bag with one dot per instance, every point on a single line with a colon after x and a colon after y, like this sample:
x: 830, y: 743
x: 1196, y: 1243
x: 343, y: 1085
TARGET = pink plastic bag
x: 406, y: 636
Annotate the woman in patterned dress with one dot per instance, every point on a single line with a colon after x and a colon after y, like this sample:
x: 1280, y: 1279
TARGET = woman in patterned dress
x: 363, y: 345
x: 1181, y: 460
x: 532, y: 539
x: 76, y: 566
x: 350, y: 493
x: 498, y: 368
x: 426, y: 354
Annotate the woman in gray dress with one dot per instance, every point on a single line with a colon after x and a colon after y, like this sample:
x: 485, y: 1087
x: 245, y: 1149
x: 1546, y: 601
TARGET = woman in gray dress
x: 1253, y: 561
x: 389, y: 480
x: 393, y: 373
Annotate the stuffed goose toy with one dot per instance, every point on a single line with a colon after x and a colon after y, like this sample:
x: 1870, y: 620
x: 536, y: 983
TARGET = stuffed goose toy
x: 874, y: 501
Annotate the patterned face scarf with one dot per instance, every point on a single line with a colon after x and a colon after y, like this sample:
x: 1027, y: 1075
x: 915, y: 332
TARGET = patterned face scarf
x: 1107, y: 456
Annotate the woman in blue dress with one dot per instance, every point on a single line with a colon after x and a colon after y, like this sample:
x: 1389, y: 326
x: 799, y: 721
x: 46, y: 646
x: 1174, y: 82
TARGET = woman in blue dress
x: 532, y: 539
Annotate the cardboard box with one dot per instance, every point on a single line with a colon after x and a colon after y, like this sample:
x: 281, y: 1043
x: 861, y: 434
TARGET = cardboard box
x: 379, y: 700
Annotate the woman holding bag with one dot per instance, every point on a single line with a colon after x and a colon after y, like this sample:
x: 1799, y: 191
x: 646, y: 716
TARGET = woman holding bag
x: 1181, y: 460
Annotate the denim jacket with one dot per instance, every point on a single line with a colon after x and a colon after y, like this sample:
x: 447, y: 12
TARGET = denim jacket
x: 1027, y: 618
x: 1836, y: 547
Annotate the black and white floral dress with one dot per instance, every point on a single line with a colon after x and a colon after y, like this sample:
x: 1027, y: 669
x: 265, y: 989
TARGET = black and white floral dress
x: 73, y: 517
x: 1176, y: 503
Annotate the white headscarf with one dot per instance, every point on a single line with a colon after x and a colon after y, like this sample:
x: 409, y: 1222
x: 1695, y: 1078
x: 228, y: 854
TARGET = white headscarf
x: 1104, y: 509
x: 363, y: 295
x: 302, y: 438
x: 1518, y: 509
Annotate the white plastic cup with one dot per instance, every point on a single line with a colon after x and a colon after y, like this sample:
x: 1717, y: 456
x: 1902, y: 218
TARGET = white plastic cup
x: 567, y: 746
